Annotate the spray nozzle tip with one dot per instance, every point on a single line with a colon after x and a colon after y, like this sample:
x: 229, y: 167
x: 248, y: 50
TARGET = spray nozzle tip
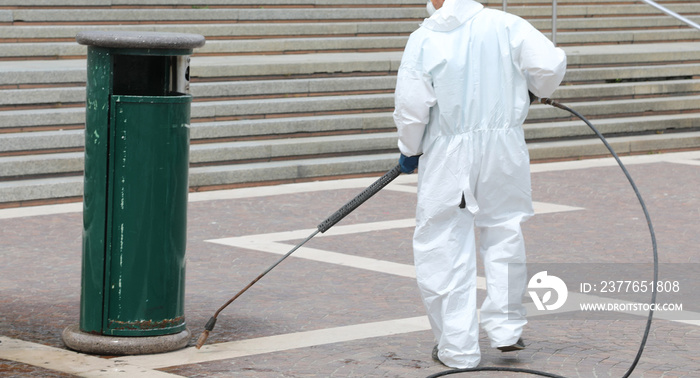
x: 207, y: 328
x: 202, y: 339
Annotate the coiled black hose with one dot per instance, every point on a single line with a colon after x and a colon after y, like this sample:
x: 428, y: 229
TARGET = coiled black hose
x: 555, y: 104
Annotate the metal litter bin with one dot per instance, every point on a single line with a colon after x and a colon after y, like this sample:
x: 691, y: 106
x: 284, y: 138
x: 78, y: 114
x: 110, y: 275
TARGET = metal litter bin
x: 136, y: 185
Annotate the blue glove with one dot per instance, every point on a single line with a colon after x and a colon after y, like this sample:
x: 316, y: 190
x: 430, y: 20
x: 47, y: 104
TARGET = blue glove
x: 408, y: 164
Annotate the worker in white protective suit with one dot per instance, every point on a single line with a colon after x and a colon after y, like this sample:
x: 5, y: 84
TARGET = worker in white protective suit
x: 461, y: 99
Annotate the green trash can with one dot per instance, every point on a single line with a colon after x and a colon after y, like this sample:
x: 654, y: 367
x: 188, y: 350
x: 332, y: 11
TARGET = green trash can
x: 135, y: 188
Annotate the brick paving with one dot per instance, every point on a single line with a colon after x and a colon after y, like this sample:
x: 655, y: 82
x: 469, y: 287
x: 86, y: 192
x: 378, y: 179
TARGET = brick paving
x: 40, y: 281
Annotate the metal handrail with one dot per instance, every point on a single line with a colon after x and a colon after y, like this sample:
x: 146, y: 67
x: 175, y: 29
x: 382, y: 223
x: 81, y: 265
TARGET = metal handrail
x: 649, y: 2
x: 672, y: 13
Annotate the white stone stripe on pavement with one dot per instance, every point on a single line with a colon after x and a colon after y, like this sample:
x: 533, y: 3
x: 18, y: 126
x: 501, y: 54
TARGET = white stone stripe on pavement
x: 270, y: 344
x: 70, y: 362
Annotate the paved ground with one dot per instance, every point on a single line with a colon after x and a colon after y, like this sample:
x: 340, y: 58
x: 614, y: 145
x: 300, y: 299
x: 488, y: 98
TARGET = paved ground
x: 346, y: 305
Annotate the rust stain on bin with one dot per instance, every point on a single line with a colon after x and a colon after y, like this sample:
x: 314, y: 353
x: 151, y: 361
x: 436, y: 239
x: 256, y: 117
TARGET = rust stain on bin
x: 147, y: 324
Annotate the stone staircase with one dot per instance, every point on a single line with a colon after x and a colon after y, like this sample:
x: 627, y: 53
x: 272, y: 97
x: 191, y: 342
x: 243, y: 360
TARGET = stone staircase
x: 299, y: 90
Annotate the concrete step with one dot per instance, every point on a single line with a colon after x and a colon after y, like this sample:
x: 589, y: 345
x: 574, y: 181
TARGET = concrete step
x: 215, y: 153
x: 41, y: 119
x: 70, y: 72
x: 309, y: 64
x: 207, y: 132
x: 269, y: 108
x: 618, y: 108
x: 658, y: 21
x: 27, y: 191
x: 291, y: 45
x: 16, y: 120
x: 54, y: 96
x: 16, y: 73
x: 17, y: 167
x: 221, y: 176
x: 213, y: 31
x: 205, y: 3
x: 204, y: 91
x: 293, y: 126
x: 213, y: 110
x: 634, y: 54
x: 277, y: 149
x: 612, y: 9
x: 25, y: 143
x: 577, y: 129
x: 622, y: 145
x: 243, y: 14
x: 280, y: 171
x: 631, y: 73
x: 137, y: 15
x: 627, y: 90
x: 568, y: 38
x: 42, y: 97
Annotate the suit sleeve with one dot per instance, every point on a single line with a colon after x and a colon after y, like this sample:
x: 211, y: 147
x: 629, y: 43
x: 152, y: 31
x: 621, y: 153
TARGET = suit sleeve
x: 413, y: 98
x: 543, y: 64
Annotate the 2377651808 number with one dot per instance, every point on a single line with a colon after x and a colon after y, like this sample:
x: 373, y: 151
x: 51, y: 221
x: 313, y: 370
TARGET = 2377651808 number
x: 639, y: 286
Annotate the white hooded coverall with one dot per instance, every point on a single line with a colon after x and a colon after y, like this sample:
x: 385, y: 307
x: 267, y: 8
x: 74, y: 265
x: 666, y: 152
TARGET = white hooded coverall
x: 461, y: 99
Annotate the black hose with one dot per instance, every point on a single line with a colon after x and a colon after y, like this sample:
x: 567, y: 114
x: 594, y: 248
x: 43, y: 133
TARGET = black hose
x: 551, y: 102
x: 494, y: 368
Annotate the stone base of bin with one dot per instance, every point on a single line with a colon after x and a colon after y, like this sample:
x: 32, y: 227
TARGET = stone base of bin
x: 88, y: 343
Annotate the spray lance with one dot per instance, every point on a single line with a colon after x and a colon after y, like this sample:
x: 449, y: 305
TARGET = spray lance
x: 322, y: 227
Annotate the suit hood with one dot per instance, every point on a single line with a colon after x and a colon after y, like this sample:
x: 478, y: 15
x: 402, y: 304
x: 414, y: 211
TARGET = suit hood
x: 452, y: 14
